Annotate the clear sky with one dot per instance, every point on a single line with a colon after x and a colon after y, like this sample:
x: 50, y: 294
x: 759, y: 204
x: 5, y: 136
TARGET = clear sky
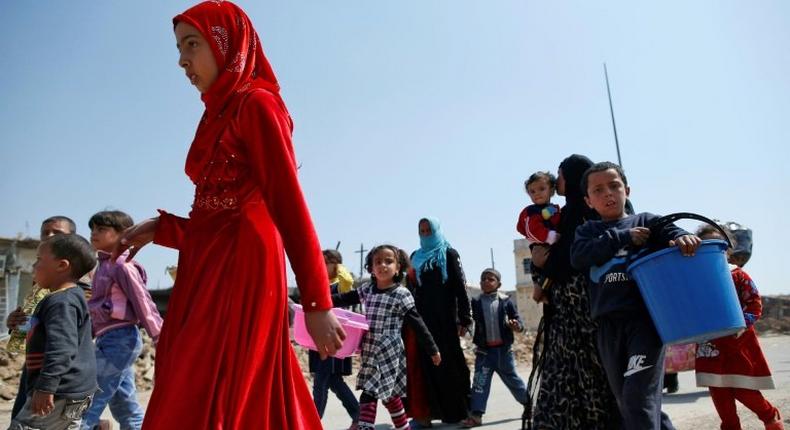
x: 412, y: 108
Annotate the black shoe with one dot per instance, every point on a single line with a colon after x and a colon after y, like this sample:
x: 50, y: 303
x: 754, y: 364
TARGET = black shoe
x: 671, y: 383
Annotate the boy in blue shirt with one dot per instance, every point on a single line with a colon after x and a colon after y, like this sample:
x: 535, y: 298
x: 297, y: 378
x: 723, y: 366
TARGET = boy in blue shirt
x: 630, y: 348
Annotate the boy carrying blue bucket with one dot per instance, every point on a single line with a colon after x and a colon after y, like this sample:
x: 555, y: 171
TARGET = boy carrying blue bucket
x: 631, y: 350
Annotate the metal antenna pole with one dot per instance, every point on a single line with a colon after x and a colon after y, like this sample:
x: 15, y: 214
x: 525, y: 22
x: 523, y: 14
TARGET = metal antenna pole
x: 361, y: 253
x: 611, y: 111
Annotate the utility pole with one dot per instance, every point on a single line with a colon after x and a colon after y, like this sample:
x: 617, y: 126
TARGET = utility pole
x: 493, y: 266
x: 361, y: 253
x: 611, y: 111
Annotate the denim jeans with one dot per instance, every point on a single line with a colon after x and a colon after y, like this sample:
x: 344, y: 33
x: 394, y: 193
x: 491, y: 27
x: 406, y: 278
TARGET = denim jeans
x: 497, y: 359
x: 116, y: 352
x: 323, y: 381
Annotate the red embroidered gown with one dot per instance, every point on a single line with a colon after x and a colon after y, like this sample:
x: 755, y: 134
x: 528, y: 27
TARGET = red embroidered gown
x: 224, y: 359
x: 736, y: 362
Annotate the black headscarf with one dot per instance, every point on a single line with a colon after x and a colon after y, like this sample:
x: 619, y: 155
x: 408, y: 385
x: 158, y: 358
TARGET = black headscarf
x: 573, y: 214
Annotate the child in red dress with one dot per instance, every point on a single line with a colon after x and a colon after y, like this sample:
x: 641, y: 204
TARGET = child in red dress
x: 224, y: 359
x: 733, y: 367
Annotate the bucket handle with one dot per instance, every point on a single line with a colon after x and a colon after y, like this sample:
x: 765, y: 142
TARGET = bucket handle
x: 665, y: 220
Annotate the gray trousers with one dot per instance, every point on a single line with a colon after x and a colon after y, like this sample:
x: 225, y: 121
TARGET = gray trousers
x: 633, y: 357
x: 67, y: 415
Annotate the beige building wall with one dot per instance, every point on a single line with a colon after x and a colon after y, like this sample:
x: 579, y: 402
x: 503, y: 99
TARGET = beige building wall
x: 529, y: 310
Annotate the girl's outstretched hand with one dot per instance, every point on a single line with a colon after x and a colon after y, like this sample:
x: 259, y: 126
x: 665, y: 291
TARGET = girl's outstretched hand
x: 136, y: 237
x: 437, y: 359
x: 687, y: 244
x: 326, y: 332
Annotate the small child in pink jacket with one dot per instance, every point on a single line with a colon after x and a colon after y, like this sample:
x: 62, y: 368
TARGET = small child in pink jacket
x: 119, y: 303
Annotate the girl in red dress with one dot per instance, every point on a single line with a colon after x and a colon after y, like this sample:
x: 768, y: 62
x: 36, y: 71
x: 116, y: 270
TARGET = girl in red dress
x: 733, y: 367
x: 224, y: 359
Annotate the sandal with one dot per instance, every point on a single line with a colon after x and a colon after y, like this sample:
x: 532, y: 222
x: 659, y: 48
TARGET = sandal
x: 472, y: 421
x: 776, y: 423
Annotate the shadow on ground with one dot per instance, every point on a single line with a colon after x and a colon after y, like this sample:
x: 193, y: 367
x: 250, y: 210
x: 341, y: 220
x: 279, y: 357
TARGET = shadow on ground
x: 684, y: 398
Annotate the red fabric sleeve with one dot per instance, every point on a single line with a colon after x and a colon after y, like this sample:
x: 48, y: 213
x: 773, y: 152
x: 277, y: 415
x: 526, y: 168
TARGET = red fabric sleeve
x: 170, y: 230
x: 751, y: 303
x: 536, y: 231
x: 521, y: 224
x: 265, y: 127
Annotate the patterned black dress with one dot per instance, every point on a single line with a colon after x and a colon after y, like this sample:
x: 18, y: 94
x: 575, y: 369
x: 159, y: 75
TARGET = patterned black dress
x: 574, y: 392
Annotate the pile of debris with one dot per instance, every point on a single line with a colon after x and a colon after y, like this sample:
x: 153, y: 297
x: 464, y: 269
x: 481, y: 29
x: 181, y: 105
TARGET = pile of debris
x: 10, y: 370
x: 144, y: 366
x: 776, y: 315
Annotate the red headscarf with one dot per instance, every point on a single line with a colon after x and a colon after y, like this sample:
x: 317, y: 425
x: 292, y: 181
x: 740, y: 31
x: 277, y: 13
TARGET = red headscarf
x: 242, y: 66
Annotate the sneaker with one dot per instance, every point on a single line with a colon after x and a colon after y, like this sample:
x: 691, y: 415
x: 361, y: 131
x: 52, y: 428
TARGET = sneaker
x: 472, y: 421
x: 671, y: 383
x: 420, y: 424
x: 776, y: 423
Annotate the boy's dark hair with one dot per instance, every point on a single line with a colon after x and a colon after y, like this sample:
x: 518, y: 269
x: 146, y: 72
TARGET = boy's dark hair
x: 61, y: 218
x: 76, y: 250
x: 332, y: 256
x: 602, y: 167
x: 403, y: 261
x: 537, y: 176
x: 707, y: 229
x: 117, y: 220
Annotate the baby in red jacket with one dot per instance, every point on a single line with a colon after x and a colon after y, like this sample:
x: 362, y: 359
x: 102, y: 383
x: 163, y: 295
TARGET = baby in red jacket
x: 538, y: 222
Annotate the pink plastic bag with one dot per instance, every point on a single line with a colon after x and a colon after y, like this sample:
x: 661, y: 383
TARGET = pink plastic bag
x: 680, y: 358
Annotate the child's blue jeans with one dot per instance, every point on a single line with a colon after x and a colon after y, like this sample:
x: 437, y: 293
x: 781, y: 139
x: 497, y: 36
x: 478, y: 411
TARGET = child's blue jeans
x: 497, y: 359
x: 116, y: 352
x: 325, y: 380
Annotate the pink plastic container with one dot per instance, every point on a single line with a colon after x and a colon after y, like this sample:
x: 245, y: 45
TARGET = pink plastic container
x: 353, y: 323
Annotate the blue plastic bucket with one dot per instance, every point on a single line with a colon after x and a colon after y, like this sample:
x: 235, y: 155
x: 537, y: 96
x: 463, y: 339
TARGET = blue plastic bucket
x: 691, y: 299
